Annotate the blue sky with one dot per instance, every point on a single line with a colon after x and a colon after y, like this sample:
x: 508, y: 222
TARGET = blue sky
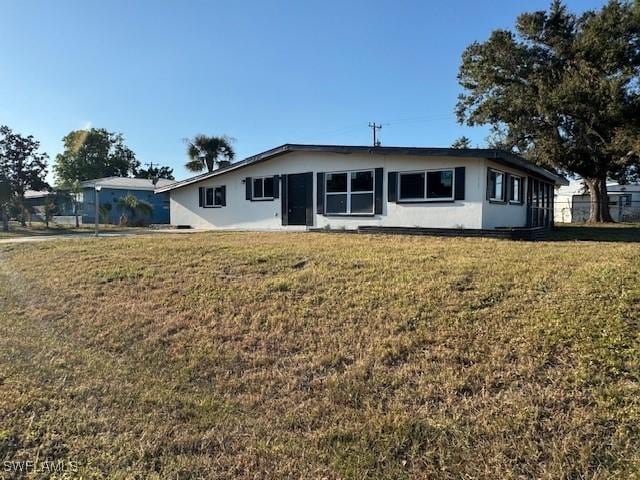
x: 263, y: 72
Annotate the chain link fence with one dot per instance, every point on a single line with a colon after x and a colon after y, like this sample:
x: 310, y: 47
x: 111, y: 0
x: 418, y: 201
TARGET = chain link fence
x: 576, y: 210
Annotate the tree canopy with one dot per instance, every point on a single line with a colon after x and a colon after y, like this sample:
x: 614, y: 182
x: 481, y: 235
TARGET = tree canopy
x: 21, y: 163
x: 462, y: 142
x: 207, y: 152
x: 155, y: 173
x: 22, y: 167
x: 94, y: 153
x: 562, y: 90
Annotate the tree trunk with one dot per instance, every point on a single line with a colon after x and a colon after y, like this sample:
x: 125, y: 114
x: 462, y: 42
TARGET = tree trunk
x: 5, y: 219
x: 75, y: 211
x: 599, y: 198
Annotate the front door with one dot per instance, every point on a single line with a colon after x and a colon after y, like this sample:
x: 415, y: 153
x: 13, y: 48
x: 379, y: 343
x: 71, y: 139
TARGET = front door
x: 299, y: 198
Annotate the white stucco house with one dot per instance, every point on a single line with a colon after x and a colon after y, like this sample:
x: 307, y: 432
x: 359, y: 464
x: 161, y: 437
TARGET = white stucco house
x: 299, y: 187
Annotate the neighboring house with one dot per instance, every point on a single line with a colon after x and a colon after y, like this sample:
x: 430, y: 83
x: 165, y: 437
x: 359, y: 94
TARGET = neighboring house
x: 563, y: 201
x: 573, y: 204
x: 298, y: 187
x: 35, y: 202
x: 114, y: 188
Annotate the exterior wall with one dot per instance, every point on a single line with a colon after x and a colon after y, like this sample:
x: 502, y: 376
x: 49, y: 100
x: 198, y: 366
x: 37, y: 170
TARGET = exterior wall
x: 110, y: 196
x: 66, y: 219
x: 562, y: 212
x: 240, y: 213
x: 503, y: 214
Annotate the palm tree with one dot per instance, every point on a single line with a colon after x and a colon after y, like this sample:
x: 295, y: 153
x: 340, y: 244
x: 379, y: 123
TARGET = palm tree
x: 207, y: 152
x: 130, y: 205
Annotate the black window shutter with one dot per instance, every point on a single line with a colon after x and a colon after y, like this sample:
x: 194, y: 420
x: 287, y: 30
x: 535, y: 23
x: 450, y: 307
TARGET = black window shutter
x: 247, y: 185
x: 392, y: 187
x: 320, y: 193
x: 276, y: 186
x: 201, y: 197
x: 458, y: 191
x: 488, y: 184
x: 223, y: 194
x: 377, y: 189
x: 309, y: 187
x: 283, y: 203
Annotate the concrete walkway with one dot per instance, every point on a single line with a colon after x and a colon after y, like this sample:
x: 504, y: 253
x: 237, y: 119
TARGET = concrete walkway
x: 69, y: 236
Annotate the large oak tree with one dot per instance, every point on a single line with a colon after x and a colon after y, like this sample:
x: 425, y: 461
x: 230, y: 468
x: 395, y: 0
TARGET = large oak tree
x: 564, y: 91
x: 94, y: 153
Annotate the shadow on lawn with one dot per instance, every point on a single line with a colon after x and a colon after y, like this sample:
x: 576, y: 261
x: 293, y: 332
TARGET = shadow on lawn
x: 602, y: 233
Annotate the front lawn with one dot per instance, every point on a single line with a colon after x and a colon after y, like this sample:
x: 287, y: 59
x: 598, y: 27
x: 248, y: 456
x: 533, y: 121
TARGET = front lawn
x: 266, y: 355
x: 35, y: 229
x: 39, y: 229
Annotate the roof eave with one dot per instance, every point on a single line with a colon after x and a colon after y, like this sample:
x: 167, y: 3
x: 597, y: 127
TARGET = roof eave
x: 493, y: 154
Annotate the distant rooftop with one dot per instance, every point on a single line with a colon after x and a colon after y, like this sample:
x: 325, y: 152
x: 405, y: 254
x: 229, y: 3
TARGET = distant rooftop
x: 126, y: 183
x: 37, y: 194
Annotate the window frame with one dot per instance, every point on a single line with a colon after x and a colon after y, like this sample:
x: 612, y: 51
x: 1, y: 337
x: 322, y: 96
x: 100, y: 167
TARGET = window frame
x: 213, y: 193
x: 520, y: 199
x: 263, y: 198
x: 493, y: 199
x: 349, y: 193
x: 424, y: 198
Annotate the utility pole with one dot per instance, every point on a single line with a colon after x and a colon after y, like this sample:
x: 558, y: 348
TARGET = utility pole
x: 375, y: 127
x: 150, y: 175
x: 97, y: 189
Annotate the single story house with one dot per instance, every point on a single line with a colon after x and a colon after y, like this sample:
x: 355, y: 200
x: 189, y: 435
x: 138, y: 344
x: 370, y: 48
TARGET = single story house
x: 298, y: 187
x: 35, y: 203
x: 573, y: 204
x: 112, y: 189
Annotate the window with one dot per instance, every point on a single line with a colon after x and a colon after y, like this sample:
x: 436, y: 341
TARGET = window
x: 208, y: 197
x: 427, y: 185
x: 412, y: 186
x: 214, y: 197
x: 515, y: 189
x: 440, y: 184
x: 496, y: 186
x: 349, y: 193
x: 263, y: 188
x: 218, y: 197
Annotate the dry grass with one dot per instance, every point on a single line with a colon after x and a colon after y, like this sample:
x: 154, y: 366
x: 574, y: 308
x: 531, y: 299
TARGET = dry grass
x: 322, y: 356
x: 39, y: 229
